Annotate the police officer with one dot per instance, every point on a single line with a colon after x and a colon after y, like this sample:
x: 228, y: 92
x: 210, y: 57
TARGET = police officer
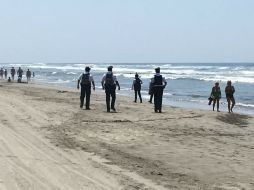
x: 13, y: 71
x: 28, y: 75
x: 19, y: 73
x: 1, y: 73
x: 85, y: 80
x: 109, y: 83
x: 136, y: 85
x: 158, y: 84
x: 5, y: 73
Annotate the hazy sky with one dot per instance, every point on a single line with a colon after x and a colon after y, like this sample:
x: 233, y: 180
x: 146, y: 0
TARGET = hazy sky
x: 126, y: 31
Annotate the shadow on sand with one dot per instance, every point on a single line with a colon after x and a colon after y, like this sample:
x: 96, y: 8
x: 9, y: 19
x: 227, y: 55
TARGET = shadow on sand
x: 234, y: 119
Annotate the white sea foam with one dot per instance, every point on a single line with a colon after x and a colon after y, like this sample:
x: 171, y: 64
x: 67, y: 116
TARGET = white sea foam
x: 248, y: 73
x: 192, y: 67
x: 223, y: 68
x: 245, y: 105
x: 227, y: 78
x: 59, y: 81
x: 71, y: 73
x: 168, y: 94
x: 164, y: 66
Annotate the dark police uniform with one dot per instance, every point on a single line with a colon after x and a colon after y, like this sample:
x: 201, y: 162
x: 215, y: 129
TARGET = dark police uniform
x: 19, y: 73
x: 28, y: 75
x: 137, y: 87
x: 12, y: 73
x: 85, y: 83
x: 109, y: 84
x: 158, y: 84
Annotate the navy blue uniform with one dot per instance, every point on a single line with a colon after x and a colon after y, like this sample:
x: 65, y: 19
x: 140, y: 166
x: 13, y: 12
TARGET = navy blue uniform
x: 110, y: 90
x: 137, y: 87
x: 85, y: 90
x: 158, y: 92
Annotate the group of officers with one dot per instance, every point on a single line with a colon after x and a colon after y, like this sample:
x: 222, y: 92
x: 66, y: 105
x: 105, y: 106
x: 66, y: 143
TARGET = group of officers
x: 109, y: 83
x: 4, y: 72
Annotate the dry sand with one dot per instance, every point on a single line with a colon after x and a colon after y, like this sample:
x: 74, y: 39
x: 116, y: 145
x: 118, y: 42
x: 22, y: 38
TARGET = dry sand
x: 48, y: 142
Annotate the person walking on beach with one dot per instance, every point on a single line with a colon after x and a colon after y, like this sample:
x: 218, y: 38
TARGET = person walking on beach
x: 85, y: 80
x: 19, y: 73
x: 158, y: 84
x: 216, y: 95
x: 1, y: 73
x: 109, y: 83
x: 136, y: 85
x: 5, y: 73
x: 12, y: 73
x: 28, y: 75
x: 229, y: 91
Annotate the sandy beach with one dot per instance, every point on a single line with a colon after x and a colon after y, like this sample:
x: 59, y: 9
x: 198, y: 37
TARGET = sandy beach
x: 48, y: 142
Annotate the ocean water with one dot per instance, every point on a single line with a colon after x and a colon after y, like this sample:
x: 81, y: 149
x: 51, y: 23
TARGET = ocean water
x: 189, y: 85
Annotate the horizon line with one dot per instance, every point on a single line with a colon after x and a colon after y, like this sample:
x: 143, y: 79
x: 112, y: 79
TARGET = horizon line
x: 128, y: 62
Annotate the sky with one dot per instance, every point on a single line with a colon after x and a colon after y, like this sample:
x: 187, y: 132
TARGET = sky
x: 156, y: 31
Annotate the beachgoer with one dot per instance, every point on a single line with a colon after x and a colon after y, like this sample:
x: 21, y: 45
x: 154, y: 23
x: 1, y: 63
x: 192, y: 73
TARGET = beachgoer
x: 33, y: 75
x: 12, y: 73
x: 158, y: 84
x: 85, y: 80
x: 5, y: 73
x: 109, y: 83
x: 229, y: 91
x: 9, y: 79
x: 216, y: 95
x: 1, y: 73
x: 19, y: 73
x: 150, y: 92
x: 136, y: 85
x: 28, y: 75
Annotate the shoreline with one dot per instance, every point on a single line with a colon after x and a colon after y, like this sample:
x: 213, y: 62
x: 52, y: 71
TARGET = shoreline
x: 46, y: 135
x: 166, y: 103
x: 189, y: 85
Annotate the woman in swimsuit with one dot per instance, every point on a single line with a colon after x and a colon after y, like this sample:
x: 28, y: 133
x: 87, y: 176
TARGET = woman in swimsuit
x: 229, y: 91
x: 216, y: 95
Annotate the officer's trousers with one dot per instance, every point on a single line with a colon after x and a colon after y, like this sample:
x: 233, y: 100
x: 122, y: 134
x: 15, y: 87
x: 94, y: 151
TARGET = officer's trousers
x: 158, y: 93
x: 85, y: 93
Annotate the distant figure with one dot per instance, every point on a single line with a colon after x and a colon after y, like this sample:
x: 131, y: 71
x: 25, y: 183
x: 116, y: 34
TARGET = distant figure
x: 109, y: 83
x: 12, y: 73
x: 1, y: 73
x: 9, y: 79
x: 5, y: 73
x: 151, y: 92
x: 136, y: 85
x: 19, y: 73
x: 33, y: 75
x: 229, y: 91
x: 28, y: 75
x: 158, y: 84
x: 85, y: 80
x: 216, y: 95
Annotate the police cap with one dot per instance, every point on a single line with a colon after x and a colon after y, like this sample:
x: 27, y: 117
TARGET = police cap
x: 87, y: 69
x: 157, y: 70
x: 110, y: 68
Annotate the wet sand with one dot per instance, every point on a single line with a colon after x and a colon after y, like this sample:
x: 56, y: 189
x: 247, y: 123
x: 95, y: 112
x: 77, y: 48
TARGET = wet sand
x: 48, y: 142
